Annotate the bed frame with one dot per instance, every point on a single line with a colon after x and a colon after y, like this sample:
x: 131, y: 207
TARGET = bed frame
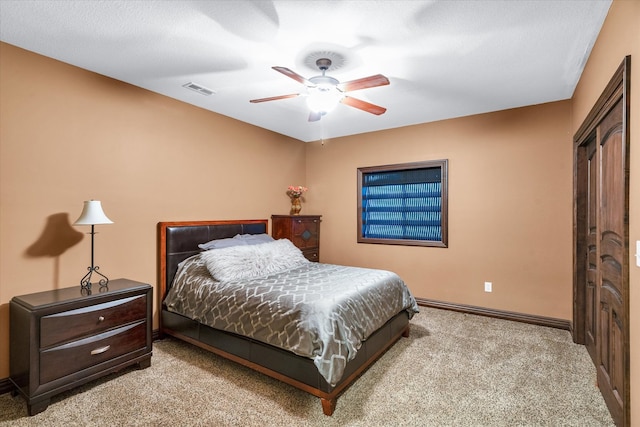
x: 178, y: 241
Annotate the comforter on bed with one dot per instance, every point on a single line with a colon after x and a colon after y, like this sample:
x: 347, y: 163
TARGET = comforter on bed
x: 319, y: 311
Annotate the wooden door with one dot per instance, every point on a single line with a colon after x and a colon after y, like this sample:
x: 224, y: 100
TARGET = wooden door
x: 601, y: 238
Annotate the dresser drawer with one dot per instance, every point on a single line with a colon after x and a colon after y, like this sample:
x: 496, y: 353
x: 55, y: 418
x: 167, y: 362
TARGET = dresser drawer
x: 302, y: 230
x: 73, y: 324
x: 305, y: 233
x: 311, y: 254
x: 72, y: 357
x: 300, y: 225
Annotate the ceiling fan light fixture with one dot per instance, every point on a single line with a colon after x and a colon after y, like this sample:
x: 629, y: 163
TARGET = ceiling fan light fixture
x: 323, y: 98
x: 325, y: 92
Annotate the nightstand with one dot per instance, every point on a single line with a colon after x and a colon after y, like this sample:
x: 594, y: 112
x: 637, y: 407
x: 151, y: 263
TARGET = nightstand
x: 302, y: 230
x: 64, y: 338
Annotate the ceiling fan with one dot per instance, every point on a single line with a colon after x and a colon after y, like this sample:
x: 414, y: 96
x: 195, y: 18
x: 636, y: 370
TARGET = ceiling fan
x: 325, y: 92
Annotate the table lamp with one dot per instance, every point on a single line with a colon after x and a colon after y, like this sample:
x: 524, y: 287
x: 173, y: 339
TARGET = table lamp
x: 92, y: 214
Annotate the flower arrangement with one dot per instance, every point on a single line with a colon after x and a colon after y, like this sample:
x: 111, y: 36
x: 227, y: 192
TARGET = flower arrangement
x: 296, y: 191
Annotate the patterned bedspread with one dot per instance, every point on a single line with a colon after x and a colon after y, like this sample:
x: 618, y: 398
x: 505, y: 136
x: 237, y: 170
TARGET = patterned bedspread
x: 319, y: 311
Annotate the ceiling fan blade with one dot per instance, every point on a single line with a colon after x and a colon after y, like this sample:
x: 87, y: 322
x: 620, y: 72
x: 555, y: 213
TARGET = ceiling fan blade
x: 363, y: 83
x: 275, y: 98
x: 295, y: 76
x: 314, y: 116
x: 363, y: 105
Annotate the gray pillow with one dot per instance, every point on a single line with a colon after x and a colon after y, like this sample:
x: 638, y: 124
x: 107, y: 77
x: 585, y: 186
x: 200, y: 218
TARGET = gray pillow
x: 254, y: 239
x: 237, y: 240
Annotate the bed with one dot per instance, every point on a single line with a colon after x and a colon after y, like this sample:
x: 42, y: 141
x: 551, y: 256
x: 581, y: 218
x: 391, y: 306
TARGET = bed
x: 180, y: 253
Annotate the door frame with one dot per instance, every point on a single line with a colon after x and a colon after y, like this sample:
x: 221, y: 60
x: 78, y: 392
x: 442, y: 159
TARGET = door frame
x: 617, y: 89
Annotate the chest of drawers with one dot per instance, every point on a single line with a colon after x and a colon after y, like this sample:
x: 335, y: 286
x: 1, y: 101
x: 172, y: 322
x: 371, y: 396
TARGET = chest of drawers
x: 63, y: 338
x: 302, y: 230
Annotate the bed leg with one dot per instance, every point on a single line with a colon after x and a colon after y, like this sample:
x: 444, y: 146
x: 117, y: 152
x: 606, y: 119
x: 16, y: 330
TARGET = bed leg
x: 328, y: 406
x: 405, y: 333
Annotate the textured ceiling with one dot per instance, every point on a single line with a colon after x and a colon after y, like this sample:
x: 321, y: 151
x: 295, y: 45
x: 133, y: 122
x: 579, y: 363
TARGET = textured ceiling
x: 444, y: 59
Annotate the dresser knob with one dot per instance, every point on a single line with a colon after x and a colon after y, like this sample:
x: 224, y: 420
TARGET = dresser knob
x: 101, y: 319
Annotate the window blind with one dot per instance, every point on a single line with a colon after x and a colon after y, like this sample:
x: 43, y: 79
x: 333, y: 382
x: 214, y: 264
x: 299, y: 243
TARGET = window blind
x: 402, y: 204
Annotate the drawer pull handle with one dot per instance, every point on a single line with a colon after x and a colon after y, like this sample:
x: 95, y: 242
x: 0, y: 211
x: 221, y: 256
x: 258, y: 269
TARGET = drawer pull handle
x: 101, y: 319
x: 100, y: 350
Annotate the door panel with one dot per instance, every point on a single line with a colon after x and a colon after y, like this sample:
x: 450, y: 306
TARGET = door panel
x: 592, y: 296
x: 612, y: 258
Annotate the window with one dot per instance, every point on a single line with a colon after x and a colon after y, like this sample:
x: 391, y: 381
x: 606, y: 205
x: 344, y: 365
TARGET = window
x: 403, y: 204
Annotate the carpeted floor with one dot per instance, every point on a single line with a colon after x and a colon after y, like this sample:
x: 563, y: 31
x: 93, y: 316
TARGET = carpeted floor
x: 454, y: 370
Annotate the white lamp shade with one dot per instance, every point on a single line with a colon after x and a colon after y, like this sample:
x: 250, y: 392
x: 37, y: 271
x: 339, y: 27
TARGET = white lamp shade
x: 92, y: 214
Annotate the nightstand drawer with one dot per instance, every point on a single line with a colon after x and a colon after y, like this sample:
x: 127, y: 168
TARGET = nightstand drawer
x: 72, y: 357
x: 73, y: 324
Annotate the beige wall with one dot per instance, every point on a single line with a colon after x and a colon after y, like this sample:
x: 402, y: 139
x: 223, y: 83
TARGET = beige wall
x: 620, y: 37
x: 510, y: 207
x: 68, y: 135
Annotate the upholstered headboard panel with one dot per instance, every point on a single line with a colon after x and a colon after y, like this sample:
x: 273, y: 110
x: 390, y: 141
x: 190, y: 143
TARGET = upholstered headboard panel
x: 178, y: 241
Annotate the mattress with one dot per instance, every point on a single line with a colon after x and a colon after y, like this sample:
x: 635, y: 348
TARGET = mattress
x: 320, y: 311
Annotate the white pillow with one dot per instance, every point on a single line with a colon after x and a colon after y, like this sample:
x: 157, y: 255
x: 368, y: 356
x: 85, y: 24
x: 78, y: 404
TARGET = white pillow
x: 251, y: 261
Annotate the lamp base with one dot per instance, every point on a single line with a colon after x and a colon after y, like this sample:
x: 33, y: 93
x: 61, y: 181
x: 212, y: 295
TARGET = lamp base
x: 85, y: 282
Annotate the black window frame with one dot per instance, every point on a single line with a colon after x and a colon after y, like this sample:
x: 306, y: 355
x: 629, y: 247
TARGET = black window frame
x: 443, y: 165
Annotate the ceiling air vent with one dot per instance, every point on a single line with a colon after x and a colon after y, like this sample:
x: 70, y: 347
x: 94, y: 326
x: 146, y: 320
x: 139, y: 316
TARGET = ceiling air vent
x: 200, y: 89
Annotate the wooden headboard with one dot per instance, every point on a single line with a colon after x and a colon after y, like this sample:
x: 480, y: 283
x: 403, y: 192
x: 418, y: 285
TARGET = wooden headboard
x: 178, y: 241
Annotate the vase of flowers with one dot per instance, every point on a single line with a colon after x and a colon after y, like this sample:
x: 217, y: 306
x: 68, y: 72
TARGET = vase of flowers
x: 295, y: 193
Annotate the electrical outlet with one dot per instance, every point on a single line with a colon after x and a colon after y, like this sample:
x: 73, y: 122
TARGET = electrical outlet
x: 487, y: 286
